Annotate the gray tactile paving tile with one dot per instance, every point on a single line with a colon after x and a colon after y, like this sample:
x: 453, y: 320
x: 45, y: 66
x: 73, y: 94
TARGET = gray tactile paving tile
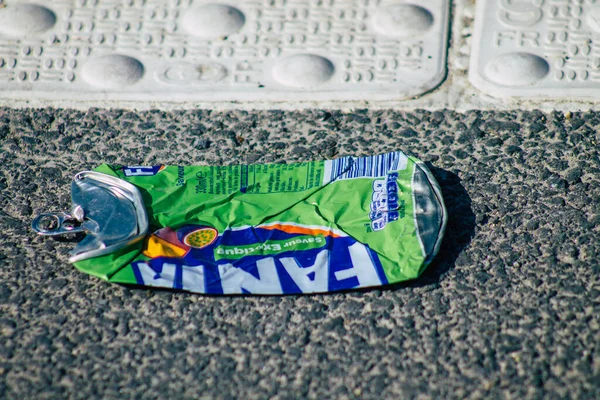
x: 537, y: 49
x: 195, y: 50
x: 510, y: 309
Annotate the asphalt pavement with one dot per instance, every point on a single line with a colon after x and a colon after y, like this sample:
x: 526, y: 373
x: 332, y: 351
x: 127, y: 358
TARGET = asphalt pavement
x: 509, y: 309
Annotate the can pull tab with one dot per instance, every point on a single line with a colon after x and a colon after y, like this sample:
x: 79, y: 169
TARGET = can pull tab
x: 54, y: 224
x: 110, y: 212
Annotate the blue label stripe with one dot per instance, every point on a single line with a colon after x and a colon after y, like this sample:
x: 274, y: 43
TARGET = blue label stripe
x: 136, y: 273
x: 340, y: 272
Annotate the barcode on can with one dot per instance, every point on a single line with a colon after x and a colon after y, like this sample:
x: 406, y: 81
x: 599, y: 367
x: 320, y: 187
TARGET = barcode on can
x: 364, y: 167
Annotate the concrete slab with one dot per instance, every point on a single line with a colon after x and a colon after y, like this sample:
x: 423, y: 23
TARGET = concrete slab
x: 186, y: 51
x: 454, y: 92
x: 537, y: 49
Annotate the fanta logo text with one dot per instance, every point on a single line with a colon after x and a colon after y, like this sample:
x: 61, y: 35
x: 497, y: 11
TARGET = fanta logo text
x: 384, y: 204
x: 269, y: 275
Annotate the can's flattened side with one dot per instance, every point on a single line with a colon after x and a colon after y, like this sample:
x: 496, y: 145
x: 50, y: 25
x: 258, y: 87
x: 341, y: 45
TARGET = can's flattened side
x: 283, y: 228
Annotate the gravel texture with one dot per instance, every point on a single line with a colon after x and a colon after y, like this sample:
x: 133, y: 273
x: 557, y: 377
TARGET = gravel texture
x: 510, y: 309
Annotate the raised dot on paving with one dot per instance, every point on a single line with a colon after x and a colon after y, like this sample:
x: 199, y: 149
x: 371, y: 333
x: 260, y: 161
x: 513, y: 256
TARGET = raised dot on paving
x: 402, y: 20
x: 538, y: 50
x: 303, y: 70
x: 112, y: 71
x: 25, y: 19
x: 516, y: 69
x: 213, y: 20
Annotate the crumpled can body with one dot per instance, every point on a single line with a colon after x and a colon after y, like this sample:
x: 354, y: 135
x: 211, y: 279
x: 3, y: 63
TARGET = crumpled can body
x: 310, y: 227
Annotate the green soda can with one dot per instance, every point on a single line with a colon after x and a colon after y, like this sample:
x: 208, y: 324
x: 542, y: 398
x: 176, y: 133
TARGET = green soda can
x: 310, y: 227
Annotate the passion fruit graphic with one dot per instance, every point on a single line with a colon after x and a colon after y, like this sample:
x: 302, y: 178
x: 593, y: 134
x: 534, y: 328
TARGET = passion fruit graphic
x: 200, y: 237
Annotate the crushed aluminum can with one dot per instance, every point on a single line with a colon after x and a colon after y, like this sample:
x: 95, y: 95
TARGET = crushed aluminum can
x: 311, y: 227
